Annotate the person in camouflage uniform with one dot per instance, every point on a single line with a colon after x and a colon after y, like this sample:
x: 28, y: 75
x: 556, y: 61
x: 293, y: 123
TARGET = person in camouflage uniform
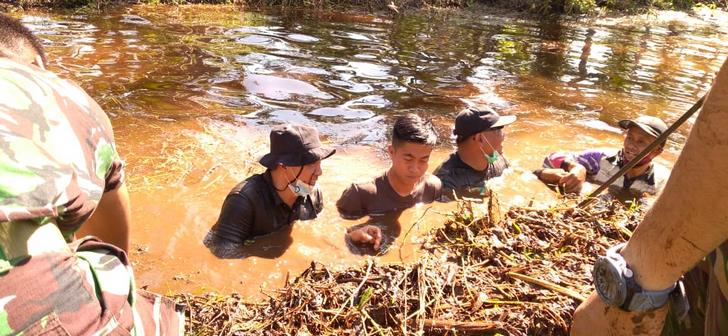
x: 57, y: 157
x: 111, y: 219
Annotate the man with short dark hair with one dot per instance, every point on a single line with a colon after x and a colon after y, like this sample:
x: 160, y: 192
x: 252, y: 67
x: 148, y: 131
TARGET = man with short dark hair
x: 18, y: 43
x: 111, y: 220
x: 479, y: 156
x: 570, y: 171
x: 267, y: 202
x: 402, y: 186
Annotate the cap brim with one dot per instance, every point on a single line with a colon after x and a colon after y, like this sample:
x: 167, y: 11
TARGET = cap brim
x: 504, y: 121
x: 626, y: 124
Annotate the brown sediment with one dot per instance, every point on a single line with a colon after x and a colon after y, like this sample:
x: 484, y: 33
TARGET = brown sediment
x: 522, y: 275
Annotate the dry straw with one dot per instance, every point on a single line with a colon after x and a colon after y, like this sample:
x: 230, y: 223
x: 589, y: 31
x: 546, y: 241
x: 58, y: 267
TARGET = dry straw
x: 520, y: 273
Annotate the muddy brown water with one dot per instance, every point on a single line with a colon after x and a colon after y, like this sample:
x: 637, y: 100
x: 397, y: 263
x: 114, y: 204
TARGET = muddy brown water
x: 192, y: 92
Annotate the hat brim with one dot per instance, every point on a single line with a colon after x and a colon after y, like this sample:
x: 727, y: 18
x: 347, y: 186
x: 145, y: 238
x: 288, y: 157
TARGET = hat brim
x: 626, y: 124
x: 270, y: 161
x: 504, y: 121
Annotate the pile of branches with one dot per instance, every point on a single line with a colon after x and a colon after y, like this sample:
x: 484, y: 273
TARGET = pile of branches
x: 520, y: 273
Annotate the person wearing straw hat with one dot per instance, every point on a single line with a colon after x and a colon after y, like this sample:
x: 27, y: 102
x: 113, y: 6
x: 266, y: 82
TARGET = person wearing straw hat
x: 479, y: 156
x: 284, y: 193
x: 570, y: 171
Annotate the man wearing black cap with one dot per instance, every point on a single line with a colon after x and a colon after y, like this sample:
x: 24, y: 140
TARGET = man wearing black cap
x: 285, y: 192
x: 479, y: 155
x: 570, y: 171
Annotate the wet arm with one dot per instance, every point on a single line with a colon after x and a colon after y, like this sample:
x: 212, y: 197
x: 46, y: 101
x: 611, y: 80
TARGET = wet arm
x: 550, y: 175
x: 577, y: 169
x: 235, y: 222
x: 111, y: 220
x: 350, y: 204
x: 687, y: 221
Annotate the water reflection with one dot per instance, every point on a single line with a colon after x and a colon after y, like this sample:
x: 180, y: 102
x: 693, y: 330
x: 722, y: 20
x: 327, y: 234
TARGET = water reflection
x: 192, y: 92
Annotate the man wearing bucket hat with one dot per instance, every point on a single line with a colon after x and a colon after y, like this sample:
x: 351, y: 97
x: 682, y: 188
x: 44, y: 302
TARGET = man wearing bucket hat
x: 285, y: 192
x: 570, y: 171
x: 479, y: 157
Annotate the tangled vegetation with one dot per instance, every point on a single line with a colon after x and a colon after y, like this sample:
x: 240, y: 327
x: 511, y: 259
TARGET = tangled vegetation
x: 521, y: 273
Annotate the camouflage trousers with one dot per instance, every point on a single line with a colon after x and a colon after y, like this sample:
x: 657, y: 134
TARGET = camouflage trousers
x: 87, y: 292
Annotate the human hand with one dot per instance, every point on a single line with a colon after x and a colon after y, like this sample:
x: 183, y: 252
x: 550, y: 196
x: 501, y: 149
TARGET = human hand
x: 369, y: 234
x: 594, y: 318
x: 572, y: 180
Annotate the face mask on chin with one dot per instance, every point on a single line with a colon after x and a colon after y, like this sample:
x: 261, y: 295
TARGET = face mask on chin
x: 492, y: 158
x: 298, y: 187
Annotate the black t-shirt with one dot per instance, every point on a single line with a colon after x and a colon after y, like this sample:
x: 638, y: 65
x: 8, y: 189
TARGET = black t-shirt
x: 377, y: 197
x: 457, y: 176
x: 253, y: 208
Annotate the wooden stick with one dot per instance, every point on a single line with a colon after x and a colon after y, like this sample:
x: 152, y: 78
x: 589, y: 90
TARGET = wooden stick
x: 462, y: 327
x: 548, y: 285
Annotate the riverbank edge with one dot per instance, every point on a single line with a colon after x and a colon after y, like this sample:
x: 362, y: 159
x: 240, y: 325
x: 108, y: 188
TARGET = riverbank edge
x: 524, y: 7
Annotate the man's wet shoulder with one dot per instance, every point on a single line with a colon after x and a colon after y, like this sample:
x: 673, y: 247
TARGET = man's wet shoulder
x: 446, y: 167
x: 433, y: 188
x: 252, y: 186
x: 368, y: 188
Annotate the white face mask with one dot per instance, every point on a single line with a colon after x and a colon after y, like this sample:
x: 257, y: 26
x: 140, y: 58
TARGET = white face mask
x: 299, y: 187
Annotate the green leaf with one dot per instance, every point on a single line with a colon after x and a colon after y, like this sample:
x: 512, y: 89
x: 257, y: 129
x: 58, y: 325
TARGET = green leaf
x: 365, y: 297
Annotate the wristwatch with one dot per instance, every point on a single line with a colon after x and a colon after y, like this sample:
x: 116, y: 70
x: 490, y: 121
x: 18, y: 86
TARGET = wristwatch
x: 615, y: 284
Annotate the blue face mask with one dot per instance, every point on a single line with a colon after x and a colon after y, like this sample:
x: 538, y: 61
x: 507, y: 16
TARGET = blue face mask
x: 299, y: 187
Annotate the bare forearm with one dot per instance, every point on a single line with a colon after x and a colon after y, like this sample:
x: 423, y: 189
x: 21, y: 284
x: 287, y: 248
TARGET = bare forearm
x: 689, y: 219
x: 551, y: 175
x: 110, y: 221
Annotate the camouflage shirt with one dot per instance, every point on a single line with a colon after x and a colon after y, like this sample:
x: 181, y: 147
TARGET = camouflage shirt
x: 57, y: 158
x: 57, y: 153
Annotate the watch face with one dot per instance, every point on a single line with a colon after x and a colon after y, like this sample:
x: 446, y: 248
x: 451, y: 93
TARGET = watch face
x: 610, y: 286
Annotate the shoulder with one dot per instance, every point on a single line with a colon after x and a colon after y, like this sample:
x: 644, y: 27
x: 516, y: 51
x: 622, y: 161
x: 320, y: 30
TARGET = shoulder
x: 591, y: 159
x: 358, y: 192
x: 251, y: 186
x: 368, y: 188
x: 41, y: 111
x: 450, y: 163
x: 447, y: 168
x: 433, y: 182
x: 661, y: 173
x: 433, y: 187
x: 354, y: 201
